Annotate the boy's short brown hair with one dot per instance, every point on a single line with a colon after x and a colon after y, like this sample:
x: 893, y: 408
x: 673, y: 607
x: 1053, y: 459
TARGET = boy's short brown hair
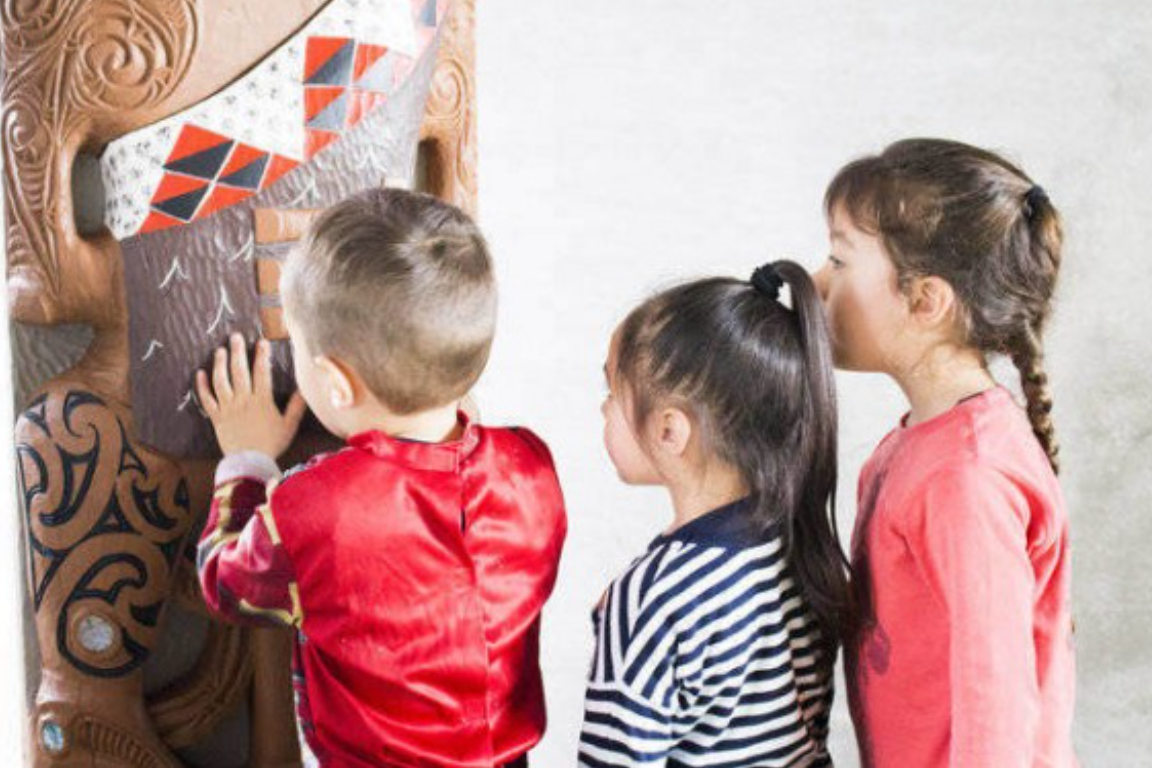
x: 398, y: 285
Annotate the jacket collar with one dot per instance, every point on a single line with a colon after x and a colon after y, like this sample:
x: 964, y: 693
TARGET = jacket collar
x: 730, y: 526
x: 437, y: 457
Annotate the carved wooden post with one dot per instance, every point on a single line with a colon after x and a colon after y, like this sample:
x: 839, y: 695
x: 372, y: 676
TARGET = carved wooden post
x: 107, y: 513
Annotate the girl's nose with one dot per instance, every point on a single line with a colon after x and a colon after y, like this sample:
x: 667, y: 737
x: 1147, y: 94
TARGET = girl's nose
x: 820, y: 280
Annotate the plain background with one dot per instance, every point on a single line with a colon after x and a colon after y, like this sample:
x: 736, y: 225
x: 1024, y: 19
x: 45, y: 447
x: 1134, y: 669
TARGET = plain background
x: 626, y: 145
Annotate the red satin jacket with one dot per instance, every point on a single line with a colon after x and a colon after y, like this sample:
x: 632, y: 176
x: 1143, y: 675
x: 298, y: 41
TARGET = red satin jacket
x: 415, y: 574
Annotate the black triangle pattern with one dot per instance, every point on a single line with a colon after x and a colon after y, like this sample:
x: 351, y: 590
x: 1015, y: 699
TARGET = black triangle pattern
x: 202, y: 165
x: 249, y: 176
x: 183, y: 206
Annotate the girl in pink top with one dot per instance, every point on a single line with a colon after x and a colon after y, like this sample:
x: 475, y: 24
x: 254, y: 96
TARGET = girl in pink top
x: 944, y: 254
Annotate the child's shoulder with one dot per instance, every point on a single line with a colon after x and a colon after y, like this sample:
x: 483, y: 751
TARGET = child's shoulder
x: 516, y: 443
x: 982, y: 488
x: 317, y: 470
x: 981, y: 438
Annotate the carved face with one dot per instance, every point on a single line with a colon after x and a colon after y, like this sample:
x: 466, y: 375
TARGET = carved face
x: 335, y: 107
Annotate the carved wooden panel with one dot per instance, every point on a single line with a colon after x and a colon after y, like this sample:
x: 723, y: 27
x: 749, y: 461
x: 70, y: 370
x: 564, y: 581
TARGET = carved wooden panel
x: 448, y: 135
x: 108, y: 518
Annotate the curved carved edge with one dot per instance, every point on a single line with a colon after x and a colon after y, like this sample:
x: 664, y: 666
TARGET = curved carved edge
x: 187, y: 711
x: 105, y: 523
x: 449, y: 128
x: 81, y: 739
x: 69, y: 67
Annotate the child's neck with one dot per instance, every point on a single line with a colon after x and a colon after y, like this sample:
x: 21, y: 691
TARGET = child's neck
x: 695, y: 497
x: 940, y: 381
x: 436, y: 425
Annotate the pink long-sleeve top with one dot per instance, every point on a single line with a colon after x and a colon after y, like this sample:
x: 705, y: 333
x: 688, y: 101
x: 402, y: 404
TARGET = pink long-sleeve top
x: 961, y: 541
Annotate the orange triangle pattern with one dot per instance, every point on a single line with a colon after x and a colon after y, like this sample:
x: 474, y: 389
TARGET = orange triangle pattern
x: 242, y: 155
x: 222, y: 197
x: 366, y: 56
x: 192, y: 140
x: 314, y: 141
x: 157, y: 221
x: 319, y: 50
x: 174, y: 185
x: 277, y: 167
x: 316, y: 98
x: 213, y: 196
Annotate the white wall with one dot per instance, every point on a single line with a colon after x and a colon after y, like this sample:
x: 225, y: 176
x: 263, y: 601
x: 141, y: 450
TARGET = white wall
x: 627, y: 144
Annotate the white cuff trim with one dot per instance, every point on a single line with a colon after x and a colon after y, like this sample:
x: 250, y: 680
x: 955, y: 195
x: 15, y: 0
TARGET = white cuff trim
x: 253, y: 464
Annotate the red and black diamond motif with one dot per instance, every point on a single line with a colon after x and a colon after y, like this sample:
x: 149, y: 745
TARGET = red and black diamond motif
x: 180, y: 196
x: 343, y: 82
x: 245, y: 167
x: 206, y: 172
x: 328, y: 61
x: 198, y: 153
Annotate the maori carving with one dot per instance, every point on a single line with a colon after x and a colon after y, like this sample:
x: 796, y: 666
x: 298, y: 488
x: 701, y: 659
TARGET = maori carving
x: 448, y: 134
x: 106, y: 521
x: 74, y: 68
x: 188, y: 711
x: 109, y: 520
x: 87, y: 492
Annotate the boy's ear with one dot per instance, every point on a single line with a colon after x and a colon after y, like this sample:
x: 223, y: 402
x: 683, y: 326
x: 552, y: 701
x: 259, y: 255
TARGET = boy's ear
x: 342, y: 384
x: 931, y: 302
x: 673, y: 431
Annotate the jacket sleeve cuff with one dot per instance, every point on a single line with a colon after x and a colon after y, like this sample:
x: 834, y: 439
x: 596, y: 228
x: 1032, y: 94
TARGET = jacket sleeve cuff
x: 252, y: 464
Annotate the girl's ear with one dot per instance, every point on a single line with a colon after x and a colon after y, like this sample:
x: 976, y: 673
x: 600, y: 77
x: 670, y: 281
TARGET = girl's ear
x: 931, y: 302
x: 673, y: 432
x: 341, y: 383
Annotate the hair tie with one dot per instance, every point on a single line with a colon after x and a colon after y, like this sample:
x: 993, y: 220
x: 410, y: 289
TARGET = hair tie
x: 1033, y: 199
x: 767, y: 281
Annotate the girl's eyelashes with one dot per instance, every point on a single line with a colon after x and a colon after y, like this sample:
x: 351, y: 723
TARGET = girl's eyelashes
x: 836, y: 263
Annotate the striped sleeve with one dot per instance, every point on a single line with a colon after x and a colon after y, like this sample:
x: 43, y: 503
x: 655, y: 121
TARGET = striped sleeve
x: 628, y: 712
x: 245, y: 574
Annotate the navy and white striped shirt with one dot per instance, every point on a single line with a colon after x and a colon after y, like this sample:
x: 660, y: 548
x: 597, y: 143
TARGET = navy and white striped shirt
x: 706, y: 655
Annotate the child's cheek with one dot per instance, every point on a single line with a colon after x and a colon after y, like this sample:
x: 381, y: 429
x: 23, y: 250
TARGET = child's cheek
x: 625, y: 454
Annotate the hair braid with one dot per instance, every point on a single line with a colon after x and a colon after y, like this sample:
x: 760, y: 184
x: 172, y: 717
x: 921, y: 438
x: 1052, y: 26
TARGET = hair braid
x: 1028, y: 357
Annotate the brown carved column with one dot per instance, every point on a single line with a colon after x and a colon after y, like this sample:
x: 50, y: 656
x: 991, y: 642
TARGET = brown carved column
x: 448, y: 135
x: 108, y: 519
x: 106, y: 522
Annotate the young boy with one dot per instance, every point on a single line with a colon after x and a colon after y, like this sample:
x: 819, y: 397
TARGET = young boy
x: 414, y: 562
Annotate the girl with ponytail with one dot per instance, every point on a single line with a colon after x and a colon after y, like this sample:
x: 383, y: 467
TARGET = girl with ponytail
x: 717, y: 646
x: 943, y: 255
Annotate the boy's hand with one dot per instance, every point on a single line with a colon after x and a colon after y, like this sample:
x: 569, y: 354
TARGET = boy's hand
x: 239, y: 402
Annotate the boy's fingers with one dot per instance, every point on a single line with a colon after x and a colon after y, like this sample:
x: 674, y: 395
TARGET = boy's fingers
x: 295, y: 409
x: 241, y: 377
x: 204, y: 392
x: 220, y: 380
x: 262, y: 368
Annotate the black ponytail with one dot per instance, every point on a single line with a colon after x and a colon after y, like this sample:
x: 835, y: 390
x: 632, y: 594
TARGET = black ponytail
x: 757, y: 377
x: 813, y: 535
